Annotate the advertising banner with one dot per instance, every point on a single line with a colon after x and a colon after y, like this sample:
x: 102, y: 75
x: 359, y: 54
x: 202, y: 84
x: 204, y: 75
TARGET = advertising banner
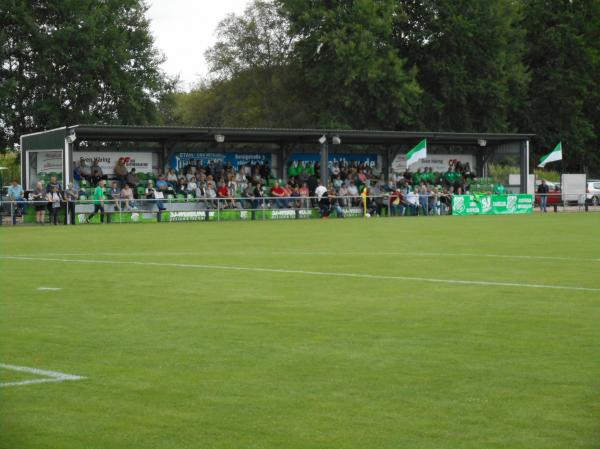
x: 212, y: 215
x: 141, y: 161
x: 492, y: 204
x: 44, y: 164
x: 437, y: 162
x: 180, y: 160
x: 368, y: 159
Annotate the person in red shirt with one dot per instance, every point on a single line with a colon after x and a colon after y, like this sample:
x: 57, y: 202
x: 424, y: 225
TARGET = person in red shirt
x: 279, y: 193
x: 223, y: 193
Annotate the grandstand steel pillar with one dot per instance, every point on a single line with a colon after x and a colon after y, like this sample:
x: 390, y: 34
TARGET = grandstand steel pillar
x: 524, y: 165
x: 324, y: 163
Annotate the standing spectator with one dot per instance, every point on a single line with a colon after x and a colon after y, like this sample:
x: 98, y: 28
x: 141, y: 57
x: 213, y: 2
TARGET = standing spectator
x: 223, y: 194
x: 85, y: 170
x: 133, y: 181
x: 424, y: 200
x: 412, y: 201
x: 52, y: 184
x: 396, y: 203
x: 353, y: 192
x: 54, y: 198
x: 15, y: 193
x: 98, y: 198
x: 97, y: 173
x: 40, y: 203
x: 121, y: 172
x: 543, y: 194
x: 71, y: 197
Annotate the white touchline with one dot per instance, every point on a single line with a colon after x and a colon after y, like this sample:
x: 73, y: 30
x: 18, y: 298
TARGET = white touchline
x: 50, y: 376
x: 312, y: 273
x: 326, y: 253
x: 50, y: 289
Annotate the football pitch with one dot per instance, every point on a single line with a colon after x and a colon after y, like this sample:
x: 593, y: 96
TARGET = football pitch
x: 446, y: 332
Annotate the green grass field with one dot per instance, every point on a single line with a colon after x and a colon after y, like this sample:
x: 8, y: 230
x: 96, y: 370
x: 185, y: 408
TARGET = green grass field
x: 304, y: 334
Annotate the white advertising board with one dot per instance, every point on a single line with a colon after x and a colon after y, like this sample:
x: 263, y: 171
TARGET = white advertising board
x: 437, y: 162
x: 141, y: 161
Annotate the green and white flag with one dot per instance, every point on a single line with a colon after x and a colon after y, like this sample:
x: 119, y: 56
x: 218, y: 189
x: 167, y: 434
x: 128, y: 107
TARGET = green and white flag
x: 417, y: 153
x: 554, y: 155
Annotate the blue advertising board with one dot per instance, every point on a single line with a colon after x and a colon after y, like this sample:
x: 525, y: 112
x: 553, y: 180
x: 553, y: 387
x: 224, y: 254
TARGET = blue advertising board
x: 180, y: 160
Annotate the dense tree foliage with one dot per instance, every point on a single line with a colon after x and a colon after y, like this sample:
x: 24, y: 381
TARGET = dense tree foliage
x: 72, y: 61
x: 453, y: 65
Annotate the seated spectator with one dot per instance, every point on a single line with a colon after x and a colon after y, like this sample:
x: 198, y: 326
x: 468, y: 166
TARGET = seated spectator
x: 181, y: 187
x: 279, y: 193
x: 304, y: 193
x: 172, y: 176
x: 115, y: 194
x: 396, y: 203
x: 155, y: 195
x: 191, y: 186
x: 353, y: 192
x: 211, y: 193
x: 424, y: 200
x: 127, y: 196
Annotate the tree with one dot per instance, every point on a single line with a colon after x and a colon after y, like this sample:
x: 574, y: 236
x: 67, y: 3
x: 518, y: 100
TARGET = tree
x: 73, y: 61
x: 469, y: 57
x: 351, y: 72
x: 563, y: 52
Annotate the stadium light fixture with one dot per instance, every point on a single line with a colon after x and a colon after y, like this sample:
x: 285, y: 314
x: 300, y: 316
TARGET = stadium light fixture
x: 322, y: 139
x: 336, y: 140
x: 71, y: 138
x: 219, y: 138
x: 481, y: 142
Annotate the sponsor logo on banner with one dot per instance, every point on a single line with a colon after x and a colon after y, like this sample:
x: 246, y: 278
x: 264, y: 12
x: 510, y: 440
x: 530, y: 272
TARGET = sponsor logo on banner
x: 486, y: 204
x: 437, y: 162
x: 459, y: 204
x: 141, y: 161
x: 511, y: 203
x: 196, y: 215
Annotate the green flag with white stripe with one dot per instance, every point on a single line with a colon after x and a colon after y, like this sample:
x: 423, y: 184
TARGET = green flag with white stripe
x: 554, y: 155
x: 417, y: 153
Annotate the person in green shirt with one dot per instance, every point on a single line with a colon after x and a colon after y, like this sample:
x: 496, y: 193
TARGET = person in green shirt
x: 98, y: 198
x: 294, y: 170
x: 499, y: 189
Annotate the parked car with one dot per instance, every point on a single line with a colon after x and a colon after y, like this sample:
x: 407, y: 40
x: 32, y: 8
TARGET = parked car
x: 554, y: 193
x: 593, y: 192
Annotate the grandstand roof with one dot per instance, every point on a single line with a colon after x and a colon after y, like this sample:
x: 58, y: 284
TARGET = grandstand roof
x: 282, y: 135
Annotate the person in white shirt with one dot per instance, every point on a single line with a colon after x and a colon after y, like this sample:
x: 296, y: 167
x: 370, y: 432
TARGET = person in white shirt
x: 412, y: 199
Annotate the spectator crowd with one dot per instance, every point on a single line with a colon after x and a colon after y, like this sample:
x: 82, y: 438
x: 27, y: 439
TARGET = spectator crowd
x: 252, y: 186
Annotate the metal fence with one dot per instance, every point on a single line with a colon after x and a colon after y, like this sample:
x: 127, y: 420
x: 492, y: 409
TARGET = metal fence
x: 248, y: 208
x: 221, y: 209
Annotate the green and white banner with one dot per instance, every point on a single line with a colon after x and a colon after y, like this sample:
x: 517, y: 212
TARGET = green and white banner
x: 212, y: 215
x: 492, y: 204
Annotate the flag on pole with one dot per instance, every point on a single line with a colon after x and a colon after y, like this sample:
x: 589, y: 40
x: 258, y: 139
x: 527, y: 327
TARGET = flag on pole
x: 554, y: 155
x: 417, y: 153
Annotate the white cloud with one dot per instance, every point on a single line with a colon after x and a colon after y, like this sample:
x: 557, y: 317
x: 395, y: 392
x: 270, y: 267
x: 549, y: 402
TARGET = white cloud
x: 184, y: 29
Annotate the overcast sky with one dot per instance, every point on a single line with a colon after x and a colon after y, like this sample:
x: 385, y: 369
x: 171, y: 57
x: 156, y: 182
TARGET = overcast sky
x: 184, y: 29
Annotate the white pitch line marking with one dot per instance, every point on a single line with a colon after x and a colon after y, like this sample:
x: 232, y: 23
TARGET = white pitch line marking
x: 311, y: 273
x: 49, y: 289
x: 50, y: 376
x: 327, y: 253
